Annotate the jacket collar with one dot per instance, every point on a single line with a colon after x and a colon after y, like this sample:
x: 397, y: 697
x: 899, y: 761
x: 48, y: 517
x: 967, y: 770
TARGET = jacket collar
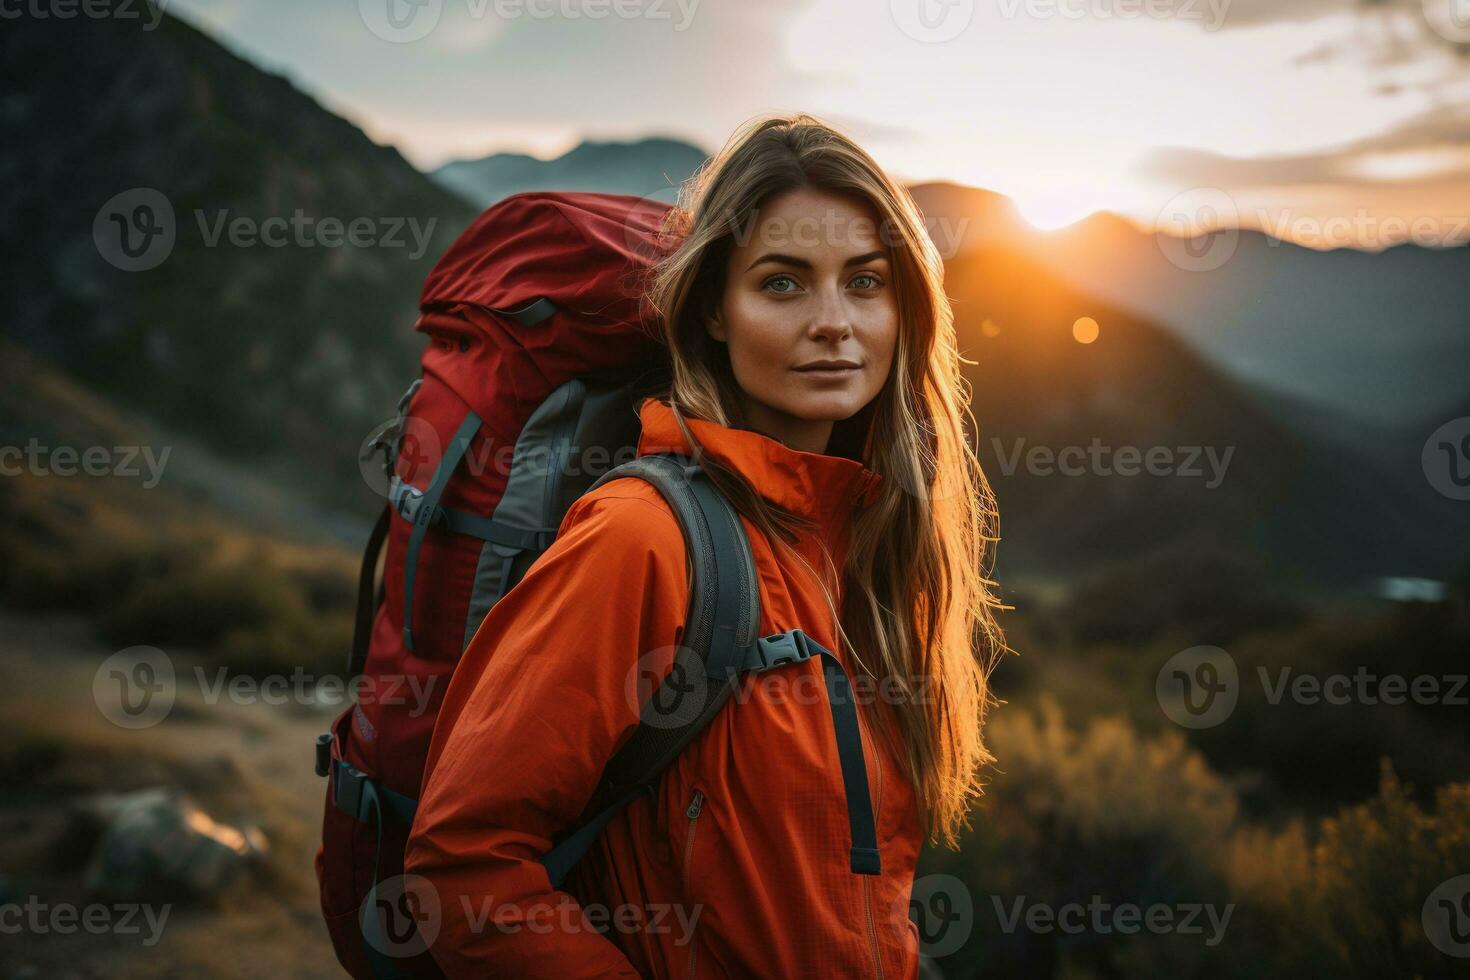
x: 823, y: 488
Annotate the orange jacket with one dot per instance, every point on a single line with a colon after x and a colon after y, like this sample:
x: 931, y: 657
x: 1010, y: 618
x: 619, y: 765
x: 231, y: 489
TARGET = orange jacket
x: 740, y: 866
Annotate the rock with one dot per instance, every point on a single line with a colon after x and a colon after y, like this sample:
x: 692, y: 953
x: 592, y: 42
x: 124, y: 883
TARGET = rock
x: 159, y: 843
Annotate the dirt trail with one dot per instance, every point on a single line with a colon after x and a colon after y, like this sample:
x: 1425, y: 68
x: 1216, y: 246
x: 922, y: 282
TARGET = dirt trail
x: 244, y: 762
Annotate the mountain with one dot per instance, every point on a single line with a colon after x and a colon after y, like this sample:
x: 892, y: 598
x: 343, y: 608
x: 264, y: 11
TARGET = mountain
x: 186, y: 277
x: 267, y: 305
x: 1380, y: 337
x: 1235, y: 470
x: 646, y: 167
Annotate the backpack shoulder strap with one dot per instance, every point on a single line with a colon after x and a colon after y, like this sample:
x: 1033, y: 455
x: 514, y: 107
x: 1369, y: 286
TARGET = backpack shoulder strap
x: 721, y: 627
x: 720, y: 630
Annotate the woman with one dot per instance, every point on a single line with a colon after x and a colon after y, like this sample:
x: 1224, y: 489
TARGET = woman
x: 869, y: 521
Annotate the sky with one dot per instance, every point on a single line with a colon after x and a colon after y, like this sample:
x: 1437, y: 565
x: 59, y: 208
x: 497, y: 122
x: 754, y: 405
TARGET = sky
x: 1328, y: 118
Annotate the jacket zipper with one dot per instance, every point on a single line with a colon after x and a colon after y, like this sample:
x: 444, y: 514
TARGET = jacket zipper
x: 867, y: 884
x: 696, y: 806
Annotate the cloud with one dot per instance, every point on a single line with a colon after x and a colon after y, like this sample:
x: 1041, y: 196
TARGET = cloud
x: 1438, y: 139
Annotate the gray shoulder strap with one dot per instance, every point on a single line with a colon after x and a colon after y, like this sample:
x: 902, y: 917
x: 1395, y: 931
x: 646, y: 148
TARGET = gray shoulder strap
x: 722, y: 625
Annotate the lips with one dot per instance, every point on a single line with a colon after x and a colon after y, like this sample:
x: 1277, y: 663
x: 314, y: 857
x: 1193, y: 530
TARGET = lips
x: 829, y: 375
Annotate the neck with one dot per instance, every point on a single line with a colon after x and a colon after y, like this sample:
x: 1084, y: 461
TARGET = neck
x: 803, y: 435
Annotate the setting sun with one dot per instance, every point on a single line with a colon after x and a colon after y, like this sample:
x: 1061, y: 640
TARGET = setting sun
x: 1050, y: 210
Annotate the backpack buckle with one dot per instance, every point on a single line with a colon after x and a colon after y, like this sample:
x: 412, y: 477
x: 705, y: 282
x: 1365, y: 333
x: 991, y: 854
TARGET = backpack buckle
x: 324, y: 754
x: 347, y: 791
x: 408, y: 501
x: 778, y: 650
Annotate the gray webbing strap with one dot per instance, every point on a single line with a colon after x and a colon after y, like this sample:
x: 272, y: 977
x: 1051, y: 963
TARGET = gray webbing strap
x: 453, y: 453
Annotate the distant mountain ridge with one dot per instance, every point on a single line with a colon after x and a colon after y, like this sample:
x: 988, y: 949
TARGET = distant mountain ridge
x: 647, y: 167
x: 281, y: 359
x: 1382, y: 337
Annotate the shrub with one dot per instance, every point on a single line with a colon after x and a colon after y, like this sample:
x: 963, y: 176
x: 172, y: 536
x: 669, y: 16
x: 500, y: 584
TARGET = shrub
x: 1077, y: 813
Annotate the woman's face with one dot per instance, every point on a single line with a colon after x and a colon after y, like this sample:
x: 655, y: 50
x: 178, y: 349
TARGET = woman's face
x: 810, y: 281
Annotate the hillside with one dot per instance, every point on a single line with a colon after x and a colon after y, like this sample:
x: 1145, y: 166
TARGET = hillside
x: 1378, y: 337
x: 280, y: 345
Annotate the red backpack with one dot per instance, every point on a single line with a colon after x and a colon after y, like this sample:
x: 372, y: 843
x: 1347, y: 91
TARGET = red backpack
x: 540, y: 351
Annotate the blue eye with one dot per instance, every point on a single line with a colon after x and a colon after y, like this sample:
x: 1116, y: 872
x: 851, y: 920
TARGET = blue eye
x: 876, y: 282
x: 775, y: 279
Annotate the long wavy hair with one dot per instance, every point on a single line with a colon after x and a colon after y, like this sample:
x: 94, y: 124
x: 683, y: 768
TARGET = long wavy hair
x: 918, y: 610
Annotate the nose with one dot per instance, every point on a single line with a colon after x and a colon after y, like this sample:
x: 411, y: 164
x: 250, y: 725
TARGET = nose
x: 831, y: 320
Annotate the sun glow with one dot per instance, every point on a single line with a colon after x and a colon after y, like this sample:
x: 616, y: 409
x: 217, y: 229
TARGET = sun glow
x: 1049, y: 210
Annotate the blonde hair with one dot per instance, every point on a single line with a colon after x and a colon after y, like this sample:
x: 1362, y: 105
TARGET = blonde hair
x: 917, y: 593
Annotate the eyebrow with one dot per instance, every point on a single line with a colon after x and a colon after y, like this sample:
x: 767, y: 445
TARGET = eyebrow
x: 804, y: 264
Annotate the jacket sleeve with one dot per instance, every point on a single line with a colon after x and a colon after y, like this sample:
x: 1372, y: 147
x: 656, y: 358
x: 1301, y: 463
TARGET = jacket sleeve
x: 538, y: 704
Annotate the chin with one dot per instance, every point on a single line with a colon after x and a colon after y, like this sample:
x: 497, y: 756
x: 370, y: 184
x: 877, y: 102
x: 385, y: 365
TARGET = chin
x: 827, y: 408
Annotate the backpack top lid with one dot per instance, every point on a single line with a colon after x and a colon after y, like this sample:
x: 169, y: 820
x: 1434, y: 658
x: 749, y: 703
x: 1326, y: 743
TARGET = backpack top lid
x: 584, y: 252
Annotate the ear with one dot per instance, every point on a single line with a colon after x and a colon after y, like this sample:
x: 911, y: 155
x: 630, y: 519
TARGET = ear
x: 714, y: 327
